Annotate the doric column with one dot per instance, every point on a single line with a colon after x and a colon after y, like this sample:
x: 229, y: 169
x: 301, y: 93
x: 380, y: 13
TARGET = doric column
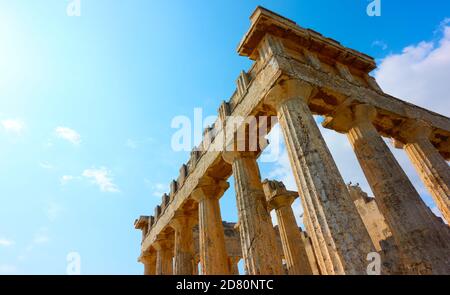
x: 429, y: 163
x: 295, y: 255
x: 258, y: 239
x: 310, y: 253
x: 149, y: 261
x: 315, y: 245
x: 195, y: 263
x: 213, y: 254
x: 164, y: 255
x: 339, y: 229
x: 183, y: 223
x: 423, y: 245
x: 233, y: 264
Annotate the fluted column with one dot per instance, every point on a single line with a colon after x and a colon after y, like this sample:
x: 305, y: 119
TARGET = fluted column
x: 233, y: 265
x: 195, y: 263
x: 310, y: 253
x: 334, y: 218
x: 149, y: 261
x: 164, y: 255
x: 281, y: 200
x: 183, y: 224
x: 423, y: 245
x: 315, y: 245
x: 429, y: 163
x: 213, y: 254
x: 258, y: 239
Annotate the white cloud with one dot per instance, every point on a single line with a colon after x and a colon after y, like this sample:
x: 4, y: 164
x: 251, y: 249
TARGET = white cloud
x: 158, y: 188
x: 66, y: 179
x: 53, y: 211
x: 68, y: 134
x: 15, y: 126
x: 8, y: 269
x: 381, y: 44
x: 46, y: 165
x: 41, y: 236
x: 420, y: 73
x: 102, y: 178
x: 132, y: 144
x: 48, y: 144
x: 6, y: 242
x: 283, y: 172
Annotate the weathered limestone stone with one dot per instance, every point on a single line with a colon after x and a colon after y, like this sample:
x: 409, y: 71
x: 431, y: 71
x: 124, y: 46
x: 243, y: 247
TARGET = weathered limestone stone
x: 391, y: 263
x: 149, y: 261
x: 232, y: 245
x: 213, y: 255
x: 183, y: 223
x: 316, y: 246
x: 233, y: 265
x: 310, y: 253
x: 255, y: 225
x: 422, y: 244
x: 165, y: 199
x: 373, y: 219
x: 340, y: 230
x: 378, y: 230
x: 429, y: 163
x: 338, y: 242
x: 280, y: 199
x: 143, y: 224
x: 232, y: 240
x: 195, y: 264
x: 164, y: 255
x: 173, y: 189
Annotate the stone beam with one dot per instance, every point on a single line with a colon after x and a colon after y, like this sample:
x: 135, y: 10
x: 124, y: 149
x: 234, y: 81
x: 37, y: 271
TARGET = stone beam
x: 210, y: 162
x: 338, y: 73
x: 284, y: 51
x: 332, y: 90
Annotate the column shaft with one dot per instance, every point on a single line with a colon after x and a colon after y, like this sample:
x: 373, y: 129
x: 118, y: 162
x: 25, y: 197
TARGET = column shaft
x: 280, y: 199
x: 184, y: 244
x: 322, y: 189
x: 310, y: 254
x: 164, y: 257
x: 293, y: 247
x: 233, y: 265
x: 258, y: 238
x: 213, y: 254
x: 433, y: 170
x: 149, y: 262
x: 423, y: 244
x: 316, y: 246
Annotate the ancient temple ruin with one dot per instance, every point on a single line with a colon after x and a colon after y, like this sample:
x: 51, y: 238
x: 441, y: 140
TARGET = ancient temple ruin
x: 298, y: 73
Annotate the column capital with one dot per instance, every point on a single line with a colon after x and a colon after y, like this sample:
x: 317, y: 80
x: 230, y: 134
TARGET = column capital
x: 364, y: 113
x: 277, y: 195
x: 209, y: 187
x: 287, y: 89
x: 231, y: 156
x: 242, y: 146
x: 184, y: 219
x: 147, y: 257
x: 163, y: 242
x: 412, y: 131
x: 348, y: 114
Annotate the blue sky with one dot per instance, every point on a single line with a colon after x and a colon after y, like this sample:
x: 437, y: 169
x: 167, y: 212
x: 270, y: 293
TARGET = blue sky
x: 86, y: 105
